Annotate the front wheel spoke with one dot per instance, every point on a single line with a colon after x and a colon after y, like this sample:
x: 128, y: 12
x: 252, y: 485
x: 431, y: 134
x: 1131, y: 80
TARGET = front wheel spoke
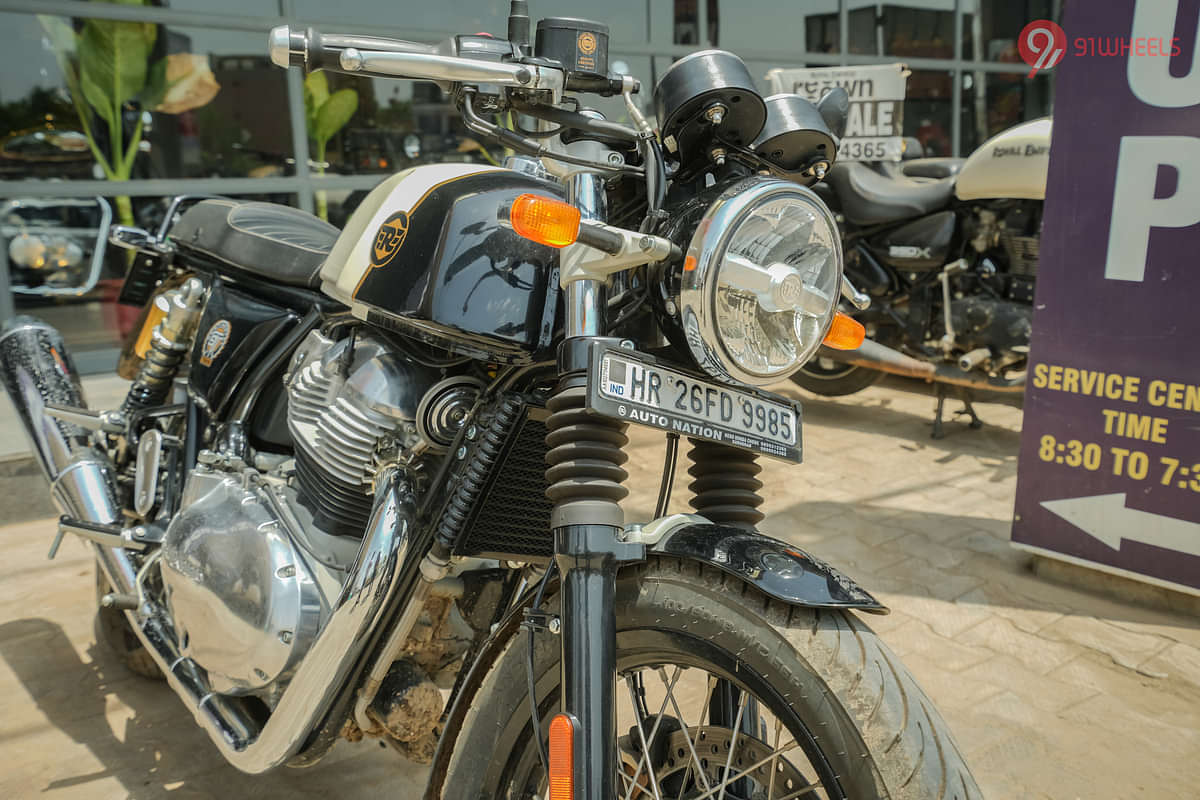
x: 708, y: 693
x: 812, y: 787
x: 645, y: 758
x: 787, y: 748
x: 642, y: 735
x: 688, y: 738
x: 737, y: 727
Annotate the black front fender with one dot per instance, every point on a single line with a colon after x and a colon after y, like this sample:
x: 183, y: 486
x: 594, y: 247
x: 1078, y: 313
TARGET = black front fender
x: 775, y: 568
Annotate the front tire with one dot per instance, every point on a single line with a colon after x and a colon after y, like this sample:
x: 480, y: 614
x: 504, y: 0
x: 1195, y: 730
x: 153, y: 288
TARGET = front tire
x: 861, y: 724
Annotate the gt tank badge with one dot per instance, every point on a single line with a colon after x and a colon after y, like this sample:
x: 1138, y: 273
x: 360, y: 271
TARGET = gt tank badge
x: 214, y: 342
x: 389, y: 239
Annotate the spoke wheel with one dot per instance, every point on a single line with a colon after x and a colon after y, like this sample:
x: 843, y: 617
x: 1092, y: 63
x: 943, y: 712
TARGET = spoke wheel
x: 721, y: 694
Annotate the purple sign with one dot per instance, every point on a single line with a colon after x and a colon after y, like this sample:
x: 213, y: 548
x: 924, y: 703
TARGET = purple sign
x: 1110, y: 448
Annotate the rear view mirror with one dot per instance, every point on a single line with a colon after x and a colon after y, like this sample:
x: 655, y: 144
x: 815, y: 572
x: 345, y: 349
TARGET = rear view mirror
x: 834, y: 108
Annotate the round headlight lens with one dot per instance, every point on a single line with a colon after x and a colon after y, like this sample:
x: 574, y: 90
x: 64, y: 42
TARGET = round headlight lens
x: 761, y: 281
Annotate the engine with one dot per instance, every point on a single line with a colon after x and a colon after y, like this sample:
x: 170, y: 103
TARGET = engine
x: 352, y: 400
x: 256, y: 557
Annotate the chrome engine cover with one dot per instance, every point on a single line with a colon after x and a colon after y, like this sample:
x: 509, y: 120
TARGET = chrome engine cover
x: 338, y: 419
x: 245, y: 598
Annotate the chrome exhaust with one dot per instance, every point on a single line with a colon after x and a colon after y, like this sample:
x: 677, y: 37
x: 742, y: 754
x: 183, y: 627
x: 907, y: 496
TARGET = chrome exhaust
x: 37, y: 370
x: 883, y: 358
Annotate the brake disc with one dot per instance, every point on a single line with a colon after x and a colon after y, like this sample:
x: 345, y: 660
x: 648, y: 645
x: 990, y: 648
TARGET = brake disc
x: 712, y: 745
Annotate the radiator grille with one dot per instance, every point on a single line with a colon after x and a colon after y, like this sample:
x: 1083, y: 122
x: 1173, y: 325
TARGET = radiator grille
x: 512, y: 519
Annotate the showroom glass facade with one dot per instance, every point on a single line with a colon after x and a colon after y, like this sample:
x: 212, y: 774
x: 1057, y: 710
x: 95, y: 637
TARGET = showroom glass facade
x: 230, y: 123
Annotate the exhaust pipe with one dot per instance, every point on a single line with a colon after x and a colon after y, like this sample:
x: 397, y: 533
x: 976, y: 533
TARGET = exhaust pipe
x: 37, y: 369
x: 877, y: 356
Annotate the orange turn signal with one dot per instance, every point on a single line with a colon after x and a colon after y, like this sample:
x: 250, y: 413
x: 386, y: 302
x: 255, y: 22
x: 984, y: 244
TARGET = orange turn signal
x: 562, y: 754
x: 545, y: 220
x: 846, y: 333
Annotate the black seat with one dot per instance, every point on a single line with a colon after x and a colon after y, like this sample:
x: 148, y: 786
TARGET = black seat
x: 936, y: 167
x: 264, y: 240
x: 869, y: 198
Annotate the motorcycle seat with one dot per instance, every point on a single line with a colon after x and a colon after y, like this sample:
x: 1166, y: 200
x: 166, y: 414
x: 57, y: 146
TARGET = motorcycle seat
x: 262, y: 240
x: 869, y: 198
x: 934, y: 167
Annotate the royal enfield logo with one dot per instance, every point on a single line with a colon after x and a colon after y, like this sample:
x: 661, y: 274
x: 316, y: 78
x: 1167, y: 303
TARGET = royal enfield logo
x: 389, y: 239
x: 214, y: 342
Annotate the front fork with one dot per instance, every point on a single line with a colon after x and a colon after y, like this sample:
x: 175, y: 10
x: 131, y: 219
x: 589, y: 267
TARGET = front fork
x: 585, y: 456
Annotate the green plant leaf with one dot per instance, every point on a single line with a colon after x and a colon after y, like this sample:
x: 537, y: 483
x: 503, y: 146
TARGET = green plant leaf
x: 335, y: 113
x: 156, y: 87
x: 316, y: 93
x: 112, y: 64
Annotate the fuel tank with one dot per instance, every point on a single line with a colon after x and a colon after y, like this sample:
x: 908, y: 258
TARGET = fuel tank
x: 1011, y: 164
x: 426, y: 254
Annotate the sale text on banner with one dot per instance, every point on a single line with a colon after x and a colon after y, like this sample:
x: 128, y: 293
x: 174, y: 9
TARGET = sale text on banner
x: 876, y: 119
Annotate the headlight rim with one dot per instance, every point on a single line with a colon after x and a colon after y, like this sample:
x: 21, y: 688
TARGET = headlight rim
x: 697, y: 299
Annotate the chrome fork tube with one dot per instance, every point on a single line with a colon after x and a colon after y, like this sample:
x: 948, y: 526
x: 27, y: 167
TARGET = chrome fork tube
x: 587, y: 523
x: 585, y: 299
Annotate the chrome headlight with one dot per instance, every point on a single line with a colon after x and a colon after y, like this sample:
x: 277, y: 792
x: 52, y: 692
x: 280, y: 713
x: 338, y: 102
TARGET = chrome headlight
x: 760, y: 281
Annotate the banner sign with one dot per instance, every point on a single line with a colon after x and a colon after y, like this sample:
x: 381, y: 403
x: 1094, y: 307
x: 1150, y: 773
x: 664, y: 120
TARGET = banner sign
x: 1110, y: 449
x: 876, y: 121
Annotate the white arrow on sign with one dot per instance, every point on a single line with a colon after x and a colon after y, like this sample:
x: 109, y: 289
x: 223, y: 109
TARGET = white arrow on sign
x: 1105, y: 517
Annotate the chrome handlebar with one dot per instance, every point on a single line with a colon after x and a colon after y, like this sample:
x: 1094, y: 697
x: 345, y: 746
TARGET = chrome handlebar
x: 428, y: 66
x: 396, y: 58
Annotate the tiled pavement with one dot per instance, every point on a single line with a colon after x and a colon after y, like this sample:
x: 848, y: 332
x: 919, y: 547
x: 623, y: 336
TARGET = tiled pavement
x: 1052, y: 692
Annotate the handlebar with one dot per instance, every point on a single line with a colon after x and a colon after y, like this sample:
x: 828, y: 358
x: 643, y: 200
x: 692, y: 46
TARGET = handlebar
x: 315, y: 50
x: 396, y: 58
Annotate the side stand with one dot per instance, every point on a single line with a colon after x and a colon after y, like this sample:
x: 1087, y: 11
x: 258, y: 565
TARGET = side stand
x: 943, y: 391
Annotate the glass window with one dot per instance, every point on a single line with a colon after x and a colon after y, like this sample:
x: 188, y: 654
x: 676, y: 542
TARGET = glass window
x: 240, y: 8
x: 993, y: 102
x: 922, y: 29
x: 206, y: 103
x: 67, y: 230
x: 686, y: 23
x: 991, y: 28
x: 928, y: 112
x: 626, y: 19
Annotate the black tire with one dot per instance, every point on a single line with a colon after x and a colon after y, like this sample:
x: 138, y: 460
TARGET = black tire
x: 824, y: 671
x: 836, y: 380
x: 113, y: 631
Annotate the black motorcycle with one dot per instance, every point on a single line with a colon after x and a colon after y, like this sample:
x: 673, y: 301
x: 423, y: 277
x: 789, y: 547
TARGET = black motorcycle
x: 358, y: 467
x: 945, y: 252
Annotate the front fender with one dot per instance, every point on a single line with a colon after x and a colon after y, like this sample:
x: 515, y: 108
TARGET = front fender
x: 775, y: 568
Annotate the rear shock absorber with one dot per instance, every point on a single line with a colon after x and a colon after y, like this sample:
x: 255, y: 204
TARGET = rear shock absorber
x: 725, y: 484
x: 168, y: 345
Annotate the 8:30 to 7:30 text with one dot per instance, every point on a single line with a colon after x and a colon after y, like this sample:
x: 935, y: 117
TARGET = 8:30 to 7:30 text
x: 1122, y: 461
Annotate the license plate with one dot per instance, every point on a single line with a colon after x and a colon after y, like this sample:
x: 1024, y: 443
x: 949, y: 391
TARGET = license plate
x: 634, y: 388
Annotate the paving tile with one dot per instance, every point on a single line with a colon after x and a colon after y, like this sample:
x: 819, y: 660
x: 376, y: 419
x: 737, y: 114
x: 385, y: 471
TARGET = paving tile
x: 1001, y: 636
x: 1175, y: 661
x: 1125, y: 647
